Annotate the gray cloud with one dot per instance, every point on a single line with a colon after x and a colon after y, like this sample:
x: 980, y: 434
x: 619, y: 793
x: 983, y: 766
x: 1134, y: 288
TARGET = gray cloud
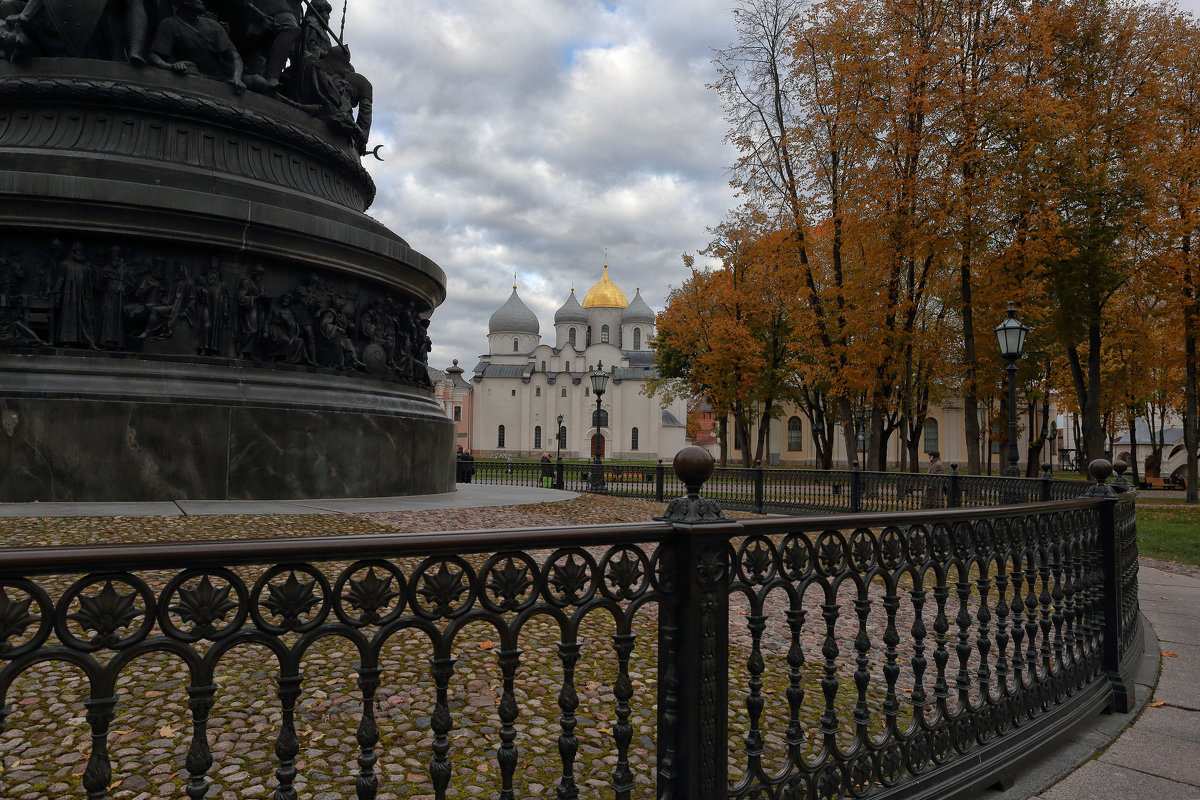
x: 528, y: 136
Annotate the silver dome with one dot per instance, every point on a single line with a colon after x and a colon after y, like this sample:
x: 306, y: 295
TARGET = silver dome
x: 514, y: 317
x: 571, y: 311
x: 637, y: 311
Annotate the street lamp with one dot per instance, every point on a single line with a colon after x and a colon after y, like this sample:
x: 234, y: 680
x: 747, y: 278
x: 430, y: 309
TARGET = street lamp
x: 1011, y: 335
x: 558, y: 435
x: 599, y: 383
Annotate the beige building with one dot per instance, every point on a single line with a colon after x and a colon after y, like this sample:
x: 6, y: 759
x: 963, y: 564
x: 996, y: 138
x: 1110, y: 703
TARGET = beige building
x: 790, y: 442
x: 521, y: 386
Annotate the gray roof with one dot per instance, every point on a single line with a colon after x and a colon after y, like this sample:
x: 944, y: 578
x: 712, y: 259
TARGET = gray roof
x: 669, y: 421
x: 501, y: 370
x: 571, y: 311
x: 633, y: 373
x: 513, y: 317
x: 638, y: 311
x: 1170, y: 436
x: 639, y: 358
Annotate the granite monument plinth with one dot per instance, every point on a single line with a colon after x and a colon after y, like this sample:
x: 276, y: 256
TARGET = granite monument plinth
x: 193, y: 303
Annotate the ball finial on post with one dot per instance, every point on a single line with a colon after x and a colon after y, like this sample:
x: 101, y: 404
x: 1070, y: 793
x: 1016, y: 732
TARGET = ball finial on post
x: 693, y: 465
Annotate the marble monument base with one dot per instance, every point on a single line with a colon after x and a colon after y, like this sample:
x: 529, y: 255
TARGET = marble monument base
x: 121, y: 429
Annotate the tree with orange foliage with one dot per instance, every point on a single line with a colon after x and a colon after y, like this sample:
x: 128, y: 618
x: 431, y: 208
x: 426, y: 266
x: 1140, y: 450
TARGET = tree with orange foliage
x: 1174, y: 218
x: 727, y: 334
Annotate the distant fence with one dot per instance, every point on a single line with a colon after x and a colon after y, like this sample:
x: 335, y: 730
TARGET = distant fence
x: 780, y: 490
x: 883, y: 654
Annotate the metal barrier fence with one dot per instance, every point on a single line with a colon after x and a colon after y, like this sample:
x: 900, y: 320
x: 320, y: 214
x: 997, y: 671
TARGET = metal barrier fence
x: 782, y: 490
x: 898, y: 654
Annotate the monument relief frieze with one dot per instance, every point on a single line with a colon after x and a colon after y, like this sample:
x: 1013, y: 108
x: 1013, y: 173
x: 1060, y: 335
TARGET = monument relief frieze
x: 104, y: 297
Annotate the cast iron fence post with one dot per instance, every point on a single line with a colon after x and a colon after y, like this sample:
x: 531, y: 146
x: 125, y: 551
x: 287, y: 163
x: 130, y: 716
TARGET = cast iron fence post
x: 954, y: 490
x: 1120, y: 483
x: 693, y: 641
x: 1047, y: 482
x: 659, y: 480
x: 855, y: 487
x: 758, y: 487
x: 1110, y: 603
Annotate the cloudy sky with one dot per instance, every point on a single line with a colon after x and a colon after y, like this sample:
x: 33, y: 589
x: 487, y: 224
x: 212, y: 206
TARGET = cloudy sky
x: 529, y: 136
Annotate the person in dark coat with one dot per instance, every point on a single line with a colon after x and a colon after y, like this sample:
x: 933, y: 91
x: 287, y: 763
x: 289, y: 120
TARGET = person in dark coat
x: 547, y: 472
x: 934, y: 490
x: 465, y: 466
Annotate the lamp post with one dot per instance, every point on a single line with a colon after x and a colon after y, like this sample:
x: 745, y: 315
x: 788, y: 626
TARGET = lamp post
x: 1011, y: 335
x: 861, y: 435
x: 599, y: 383
x: 558, y: 437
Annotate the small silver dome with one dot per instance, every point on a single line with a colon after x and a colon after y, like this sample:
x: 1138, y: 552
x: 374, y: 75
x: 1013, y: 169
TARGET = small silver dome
x: 571, y: 311
x: 514, y: 317
x: 637, y: 311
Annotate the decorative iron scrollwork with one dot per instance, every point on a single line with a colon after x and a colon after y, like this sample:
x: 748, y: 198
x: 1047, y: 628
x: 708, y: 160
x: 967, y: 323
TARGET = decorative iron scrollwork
x: 193, y: 599
x: 108, y: 614
x: 362, y: 588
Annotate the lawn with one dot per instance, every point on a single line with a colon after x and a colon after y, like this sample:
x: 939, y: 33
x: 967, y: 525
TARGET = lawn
x: 1169, y: 531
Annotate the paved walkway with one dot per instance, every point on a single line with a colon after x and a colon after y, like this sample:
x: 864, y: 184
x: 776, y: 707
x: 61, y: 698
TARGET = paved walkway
x: 1157, y: 757
x: 1152, y: 753
x: 467, y: 495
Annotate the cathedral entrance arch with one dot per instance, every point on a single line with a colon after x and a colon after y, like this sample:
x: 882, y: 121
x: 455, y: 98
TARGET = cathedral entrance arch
x: 593, y: 450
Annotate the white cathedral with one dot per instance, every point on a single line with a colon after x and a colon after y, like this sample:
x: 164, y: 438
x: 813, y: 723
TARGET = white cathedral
x: 522, y: 387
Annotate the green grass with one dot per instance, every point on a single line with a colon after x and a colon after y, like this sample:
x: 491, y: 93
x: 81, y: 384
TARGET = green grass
x: 1169, y: 531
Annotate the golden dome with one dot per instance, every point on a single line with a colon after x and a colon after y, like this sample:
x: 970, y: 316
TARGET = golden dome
x: 605, y: 294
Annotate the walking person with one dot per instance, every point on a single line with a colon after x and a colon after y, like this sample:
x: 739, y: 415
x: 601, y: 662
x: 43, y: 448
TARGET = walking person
x: 547, y: 472
x: 935, y: 490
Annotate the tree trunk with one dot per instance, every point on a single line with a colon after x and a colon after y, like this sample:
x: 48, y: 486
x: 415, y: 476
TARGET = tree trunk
x: 1087, y: 389
x: 1133, y: 446
x: 764, y: 434
x: 1191, y: 330
x: 1033, y: 450
x: 741, y: 433
x: 970, y: 361
x: 971, y: 432
x: 877, y: 454
x: 851, y: 441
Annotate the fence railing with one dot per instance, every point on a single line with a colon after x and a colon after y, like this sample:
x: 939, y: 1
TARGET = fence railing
x: 881, y: 654
x: 783, y: 490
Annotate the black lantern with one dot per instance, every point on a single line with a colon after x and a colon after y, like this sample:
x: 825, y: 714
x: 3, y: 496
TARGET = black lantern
x: 599, y: 380
x: 599, y: 383
x: 1011, y: 335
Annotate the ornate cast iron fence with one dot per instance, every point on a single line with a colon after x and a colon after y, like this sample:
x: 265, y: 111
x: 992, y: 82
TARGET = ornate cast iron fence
x: 780, y: 490
x: 901, y: 654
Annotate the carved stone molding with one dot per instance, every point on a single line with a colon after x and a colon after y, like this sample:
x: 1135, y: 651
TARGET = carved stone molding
x: 194, y: 126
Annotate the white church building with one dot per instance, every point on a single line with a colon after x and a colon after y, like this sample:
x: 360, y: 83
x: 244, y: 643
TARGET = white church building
x: 522, y: 387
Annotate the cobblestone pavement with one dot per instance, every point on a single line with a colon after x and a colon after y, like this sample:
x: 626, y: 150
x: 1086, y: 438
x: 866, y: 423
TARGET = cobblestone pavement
x: 45, y: 748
